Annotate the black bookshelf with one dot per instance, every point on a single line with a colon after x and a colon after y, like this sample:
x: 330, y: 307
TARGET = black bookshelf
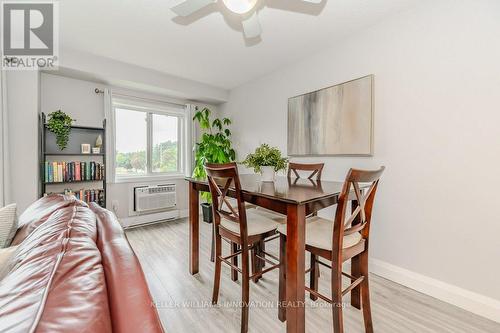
x: 69, y: 154
x: 78, y: 135
x: 75, y: 181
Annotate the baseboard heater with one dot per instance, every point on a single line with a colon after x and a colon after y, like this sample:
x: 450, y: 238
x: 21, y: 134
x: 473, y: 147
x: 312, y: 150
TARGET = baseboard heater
x: 143, y: 220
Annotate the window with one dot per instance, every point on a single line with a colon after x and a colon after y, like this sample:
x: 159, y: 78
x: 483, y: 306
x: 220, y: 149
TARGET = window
x: 131, y: 142
x: 149, y: 139
x: 165, y: 156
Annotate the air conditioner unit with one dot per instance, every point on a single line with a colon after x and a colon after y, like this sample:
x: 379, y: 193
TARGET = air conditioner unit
x: 154, y: 198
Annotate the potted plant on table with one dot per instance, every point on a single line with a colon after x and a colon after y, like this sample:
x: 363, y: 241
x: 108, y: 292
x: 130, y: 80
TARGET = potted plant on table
x: 267, y: 161
x: 214, y: 147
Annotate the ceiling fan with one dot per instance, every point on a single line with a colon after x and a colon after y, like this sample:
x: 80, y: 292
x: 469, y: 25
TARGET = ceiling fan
x: 243, y: 8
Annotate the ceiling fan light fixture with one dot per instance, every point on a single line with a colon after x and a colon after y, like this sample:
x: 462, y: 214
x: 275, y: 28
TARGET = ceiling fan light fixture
x: 244, y: 8
x: 240, y: 6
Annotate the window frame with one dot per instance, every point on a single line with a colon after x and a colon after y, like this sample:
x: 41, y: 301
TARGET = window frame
x: 154, y: 108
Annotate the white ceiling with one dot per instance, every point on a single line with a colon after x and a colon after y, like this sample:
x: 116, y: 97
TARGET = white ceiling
x: 209, y: 46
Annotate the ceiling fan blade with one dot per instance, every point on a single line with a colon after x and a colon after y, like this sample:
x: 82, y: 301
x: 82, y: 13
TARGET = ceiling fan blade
x: 251, y: 26
x: 188, y: 7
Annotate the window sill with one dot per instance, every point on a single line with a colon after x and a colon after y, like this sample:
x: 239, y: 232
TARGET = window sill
x: 149, y: 179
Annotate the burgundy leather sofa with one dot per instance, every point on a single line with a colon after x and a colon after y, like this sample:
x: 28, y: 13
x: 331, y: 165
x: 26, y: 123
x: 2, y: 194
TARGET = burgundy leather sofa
x: 73, y: 271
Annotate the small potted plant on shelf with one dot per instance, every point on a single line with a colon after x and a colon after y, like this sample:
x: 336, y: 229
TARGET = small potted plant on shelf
x: 60, y: 123
x: 214, y: 147
x: 267, y: 161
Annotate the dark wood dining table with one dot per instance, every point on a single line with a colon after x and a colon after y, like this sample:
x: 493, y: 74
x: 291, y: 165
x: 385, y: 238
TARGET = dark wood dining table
x: 295, y: 198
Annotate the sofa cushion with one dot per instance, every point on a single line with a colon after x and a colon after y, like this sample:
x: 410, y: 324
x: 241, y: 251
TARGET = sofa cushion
x: 40, y: 211
x: 56, y: 281
x: 5, y: 255
x: 8, y: 224
x: 128, y: 291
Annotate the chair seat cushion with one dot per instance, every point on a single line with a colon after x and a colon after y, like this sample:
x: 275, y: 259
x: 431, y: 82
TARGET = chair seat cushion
x: 280, y: 218
x: 256, y: 224
x: 234, y: 203
x: 319, y: 234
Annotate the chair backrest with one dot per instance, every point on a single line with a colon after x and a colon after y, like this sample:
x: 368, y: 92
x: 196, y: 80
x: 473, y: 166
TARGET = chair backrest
x: 220, y: 178
x: 316, y: 169
x: 361, y: 214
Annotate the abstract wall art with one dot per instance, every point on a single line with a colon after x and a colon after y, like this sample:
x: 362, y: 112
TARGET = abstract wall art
x: 333, y: 121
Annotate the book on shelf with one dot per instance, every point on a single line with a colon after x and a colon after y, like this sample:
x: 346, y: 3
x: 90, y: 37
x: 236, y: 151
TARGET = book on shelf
x: 58, y: 172
x: 87, y: 195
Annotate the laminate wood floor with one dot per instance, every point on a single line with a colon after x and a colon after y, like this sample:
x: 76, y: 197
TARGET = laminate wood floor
x: 183, y: 300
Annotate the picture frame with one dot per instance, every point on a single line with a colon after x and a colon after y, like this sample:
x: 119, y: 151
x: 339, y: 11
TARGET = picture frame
x: 333, y: 121
x: 85, y: 148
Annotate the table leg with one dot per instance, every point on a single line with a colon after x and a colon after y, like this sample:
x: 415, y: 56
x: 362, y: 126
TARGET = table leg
x: 355, y: 266
x: 194, y: 229
x: 282, y: 280
x: 295, y: 269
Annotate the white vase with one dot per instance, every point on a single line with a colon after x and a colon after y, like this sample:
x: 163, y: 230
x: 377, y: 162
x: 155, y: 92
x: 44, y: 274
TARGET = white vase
x: 267, y: 173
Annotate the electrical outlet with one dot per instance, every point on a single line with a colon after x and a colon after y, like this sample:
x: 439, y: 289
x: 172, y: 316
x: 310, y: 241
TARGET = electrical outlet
x: 115, y: 205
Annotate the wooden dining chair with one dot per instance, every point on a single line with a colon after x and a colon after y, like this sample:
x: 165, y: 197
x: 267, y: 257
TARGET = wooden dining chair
x: 316, y: 169
x: 294, y: 169
x: 337, y: 241
x: 244, y: 228
x: 233, y: 246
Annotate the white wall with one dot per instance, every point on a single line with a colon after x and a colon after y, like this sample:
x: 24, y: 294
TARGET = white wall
x: 23, y: 107
x: 78, y: 99
x: 437, y: 103
x: 75, y: 97
x: 138, y: 78
x: 29, y: 92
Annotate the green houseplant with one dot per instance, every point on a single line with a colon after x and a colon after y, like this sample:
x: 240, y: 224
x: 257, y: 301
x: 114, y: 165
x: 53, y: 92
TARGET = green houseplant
x: 59, y: 123
x: 266, y: 160
x: 214, y: 147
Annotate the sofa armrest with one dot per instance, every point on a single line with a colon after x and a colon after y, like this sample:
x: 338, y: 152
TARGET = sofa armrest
x: 131, y: 305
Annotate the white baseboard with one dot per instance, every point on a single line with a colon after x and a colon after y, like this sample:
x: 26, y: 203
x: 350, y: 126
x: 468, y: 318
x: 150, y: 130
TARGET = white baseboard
x: 473, y: 302
x: 138, y: 220
x: 183, y: 213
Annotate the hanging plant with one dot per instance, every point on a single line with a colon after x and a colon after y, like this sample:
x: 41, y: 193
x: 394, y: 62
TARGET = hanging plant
x: 59, y: 123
